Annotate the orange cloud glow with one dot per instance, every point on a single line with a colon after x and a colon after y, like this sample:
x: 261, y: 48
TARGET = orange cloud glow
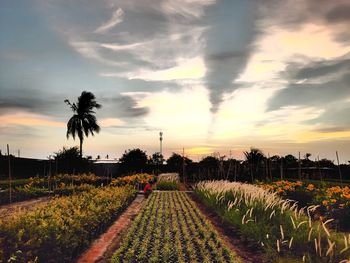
x: 29, y: 119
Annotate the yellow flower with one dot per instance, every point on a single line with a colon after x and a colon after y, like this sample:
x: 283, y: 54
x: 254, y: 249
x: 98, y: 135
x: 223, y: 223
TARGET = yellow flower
x: 298, y: 183
x: 347, y: 196
x: 310, y: 187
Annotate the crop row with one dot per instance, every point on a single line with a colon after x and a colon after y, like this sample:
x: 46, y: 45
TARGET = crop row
x: 170, y: 228
x: 61, y: 229
x: 137, y: 180
x: 277, y: 225
x: 64, y: 184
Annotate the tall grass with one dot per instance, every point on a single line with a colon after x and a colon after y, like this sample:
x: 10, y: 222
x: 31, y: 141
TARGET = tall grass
x: 277, y: 225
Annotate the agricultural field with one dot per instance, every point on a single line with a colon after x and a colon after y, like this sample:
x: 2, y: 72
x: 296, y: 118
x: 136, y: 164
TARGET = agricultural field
x: 333, y: 200
x: 170, y: 228
x: 61, y: 229
x: 280, y: 228
x: 64, y: 184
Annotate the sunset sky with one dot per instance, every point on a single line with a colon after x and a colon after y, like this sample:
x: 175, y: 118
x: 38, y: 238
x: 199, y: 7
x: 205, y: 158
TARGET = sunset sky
x: 213, y: 75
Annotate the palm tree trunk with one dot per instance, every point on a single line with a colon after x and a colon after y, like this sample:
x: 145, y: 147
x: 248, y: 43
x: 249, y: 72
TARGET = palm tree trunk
x: 81, y: 147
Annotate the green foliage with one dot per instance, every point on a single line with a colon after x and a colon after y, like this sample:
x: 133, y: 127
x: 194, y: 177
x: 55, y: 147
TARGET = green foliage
x: 63, y: 184
x: 64, y: 190
x: 167, y: 186
x: 156, y: 159
x: 83, y: 122
x: 175, y: 162
x: 170, y: 228
x: 60, y: 230
x: 133, y: 161
x: 276, y: 225
x: 21, y: 194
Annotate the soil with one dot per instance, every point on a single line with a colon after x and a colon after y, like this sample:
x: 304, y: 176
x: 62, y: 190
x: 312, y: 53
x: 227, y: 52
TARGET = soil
x: 247, y: 251
x: 8, y: 209
x: 102, y: 249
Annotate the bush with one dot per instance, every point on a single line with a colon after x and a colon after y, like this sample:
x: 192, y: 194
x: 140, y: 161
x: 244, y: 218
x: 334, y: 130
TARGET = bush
x: 137, y: 180
x: 22, y: 194
x: 61, y: 229
x: 167, y: 186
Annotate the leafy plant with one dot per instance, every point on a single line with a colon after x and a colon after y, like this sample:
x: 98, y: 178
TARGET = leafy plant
x: 170, y: 228
x: 167, y: 186
x: 61, y: 229
x: 277, y: 225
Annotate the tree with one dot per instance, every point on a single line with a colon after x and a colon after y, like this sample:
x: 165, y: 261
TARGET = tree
x: 307, y: 156
x: 210, y: 166
x: 291, y: 161
x: 69, y: 160
x: 254, y: 158
x: 134, y: 160
x: 306, y: 162
x: 156, y: 159
x: 326, y: 163
x: 83, y: 122
x: 175, y: 162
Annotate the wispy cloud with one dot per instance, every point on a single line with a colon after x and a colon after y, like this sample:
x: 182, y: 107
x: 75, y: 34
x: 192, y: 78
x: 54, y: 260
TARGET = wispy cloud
x: 111, y: 122
x: 28, y: 119
x: 193, y: 68
x: 116, y: 18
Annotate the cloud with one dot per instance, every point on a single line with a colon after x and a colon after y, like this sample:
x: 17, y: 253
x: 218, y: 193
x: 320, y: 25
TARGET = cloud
x: 334, y: 117
x: 193, y: 68
x: 31, y: 100
x: 28, y: 119
x: 124, y: 106
x: 317, y: 69
x: 228, y: 47
x: 186, y: 8
x: 340, y: 13
x: 317, y: 82
x: 111, y: 122
x: 116, y: 18
x: 311, y: 94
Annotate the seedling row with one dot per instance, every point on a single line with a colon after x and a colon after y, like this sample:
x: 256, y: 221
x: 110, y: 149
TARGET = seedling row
x: 170, y: 228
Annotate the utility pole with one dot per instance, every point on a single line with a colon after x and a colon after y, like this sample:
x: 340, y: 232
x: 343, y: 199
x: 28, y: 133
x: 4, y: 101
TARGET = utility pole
x: 340, y: 175
x: 160, y: 143
x: 183, y: 164
x: 299, y: 168
x: 10, y: 177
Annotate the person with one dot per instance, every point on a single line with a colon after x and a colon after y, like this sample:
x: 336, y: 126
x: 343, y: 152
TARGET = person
x: 147, y: 190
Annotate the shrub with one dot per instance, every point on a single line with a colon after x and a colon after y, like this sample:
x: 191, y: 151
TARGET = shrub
x: 167, y: 186
x: 61, y: 229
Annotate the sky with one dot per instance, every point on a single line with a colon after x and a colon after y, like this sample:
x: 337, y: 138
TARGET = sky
x: 215, y: 76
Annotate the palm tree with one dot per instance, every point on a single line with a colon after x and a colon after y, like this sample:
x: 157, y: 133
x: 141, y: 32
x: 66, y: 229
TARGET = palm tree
x: 254, y: 157
x: 83, y: 121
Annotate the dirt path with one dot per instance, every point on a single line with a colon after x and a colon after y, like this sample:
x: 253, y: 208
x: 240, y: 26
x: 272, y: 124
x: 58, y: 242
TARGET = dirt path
x: 103, y: 248
x: 8, y: 209
x: 245, y: 250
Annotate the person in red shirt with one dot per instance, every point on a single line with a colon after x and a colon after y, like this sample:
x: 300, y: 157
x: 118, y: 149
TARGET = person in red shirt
x: 147, y: 190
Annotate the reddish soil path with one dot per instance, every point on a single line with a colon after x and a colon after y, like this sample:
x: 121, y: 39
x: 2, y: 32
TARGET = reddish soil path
x: 248, y: 252
x: 103, y: 248
x: 9, y: 209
